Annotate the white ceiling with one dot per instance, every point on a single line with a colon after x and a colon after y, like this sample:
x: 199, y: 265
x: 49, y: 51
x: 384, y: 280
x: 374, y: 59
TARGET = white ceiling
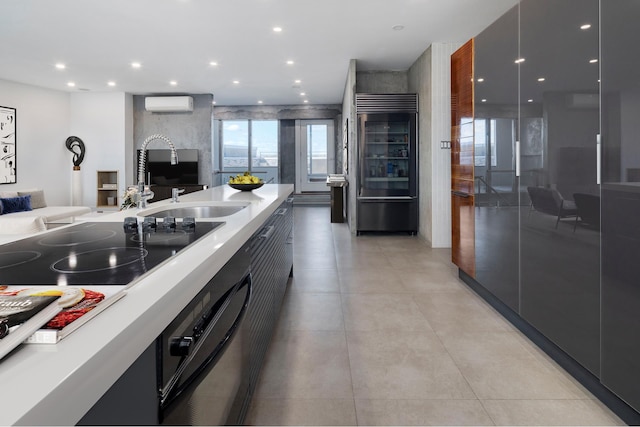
x: 177, y: 39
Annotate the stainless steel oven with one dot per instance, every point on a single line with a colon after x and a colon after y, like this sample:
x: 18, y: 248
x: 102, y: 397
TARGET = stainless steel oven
x: 201, y: 355
x: 196, y: 370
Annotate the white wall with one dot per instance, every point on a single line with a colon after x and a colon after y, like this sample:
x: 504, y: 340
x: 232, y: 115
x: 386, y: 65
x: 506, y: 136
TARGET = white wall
x: 42, y: 119
x: 441, y: 131
x: 102, y: 121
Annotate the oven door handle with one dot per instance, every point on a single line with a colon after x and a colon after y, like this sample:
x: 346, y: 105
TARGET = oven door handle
x: 168, y: 394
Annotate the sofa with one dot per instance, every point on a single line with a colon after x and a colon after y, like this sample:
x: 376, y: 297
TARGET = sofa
x: 26, y: 212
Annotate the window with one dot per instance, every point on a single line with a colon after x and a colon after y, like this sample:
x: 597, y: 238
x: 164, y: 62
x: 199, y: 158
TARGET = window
x: 235, y: 144
x: 264, y: 142
x: 317, y: 151
x: 250, y: 145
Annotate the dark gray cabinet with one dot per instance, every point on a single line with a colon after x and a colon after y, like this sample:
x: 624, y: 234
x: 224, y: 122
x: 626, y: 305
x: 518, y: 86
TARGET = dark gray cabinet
x: 620, y: 207
x: 495, y: 181
x: 557, y: 181
x: 271, y: 266
x: 560, y: 264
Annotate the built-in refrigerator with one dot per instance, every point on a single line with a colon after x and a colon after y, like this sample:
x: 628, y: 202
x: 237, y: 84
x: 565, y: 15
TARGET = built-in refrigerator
x: 387, y: 183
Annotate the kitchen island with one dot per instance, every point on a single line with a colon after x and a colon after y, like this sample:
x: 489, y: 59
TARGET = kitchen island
x: 57, y: 384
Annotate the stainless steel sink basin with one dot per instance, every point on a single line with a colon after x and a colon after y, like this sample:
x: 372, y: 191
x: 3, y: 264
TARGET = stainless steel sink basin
x: 195, y: 211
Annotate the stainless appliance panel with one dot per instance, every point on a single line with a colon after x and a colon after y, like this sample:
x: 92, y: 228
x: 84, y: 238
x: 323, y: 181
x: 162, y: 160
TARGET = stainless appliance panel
x: 201, y: 351
x: 389, y: 214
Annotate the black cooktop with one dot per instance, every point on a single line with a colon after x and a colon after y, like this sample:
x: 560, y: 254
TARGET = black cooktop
x: 94, y: 253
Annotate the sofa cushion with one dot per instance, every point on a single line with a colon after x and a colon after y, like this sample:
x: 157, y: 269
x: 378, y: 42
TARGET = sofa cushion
x: 37, y: 198
x: 7, y: 194
x: 16, y: 204
x: 50, y: 214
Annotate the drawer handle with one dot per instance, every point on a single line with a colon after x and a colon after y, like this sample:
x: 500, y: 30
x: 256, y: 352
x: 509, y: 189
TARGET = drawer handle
x: 268, y: 233
x: 281, y: 211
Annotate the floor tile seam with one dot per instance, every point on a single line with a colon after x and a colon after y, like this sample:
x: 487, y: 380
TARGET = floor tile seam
x: 375, y: 293
x: 539, y: 399
x: 303, y: 398
x: 430, y: 399
x: 482, y: 402
x: 550, y: 365
x: 297, y: 291
x: 528, y: 356
x: 486, y: 411
x: 453, y: 360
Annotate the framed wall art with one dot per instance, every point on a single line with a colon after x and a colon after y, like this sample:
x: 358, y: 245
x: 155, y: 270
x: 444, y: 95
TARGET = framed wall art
x: 7, y: 145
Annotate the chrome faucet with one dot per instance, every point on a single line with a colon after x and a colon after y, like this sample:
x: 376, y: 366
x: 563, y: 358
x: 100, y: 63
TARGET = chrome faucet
x: 174, y: 194
x: 143, y: 192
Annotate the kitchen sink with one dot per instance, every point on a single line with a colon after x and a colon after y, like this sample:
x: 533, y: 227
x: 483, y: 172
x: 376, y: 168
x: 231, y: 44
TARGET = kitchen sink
x: 195, y: 210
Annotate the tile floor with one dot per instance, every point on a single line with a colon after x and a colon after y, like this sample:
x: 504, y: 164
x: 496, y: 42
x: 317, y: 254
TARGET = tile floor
x: 379, y: 330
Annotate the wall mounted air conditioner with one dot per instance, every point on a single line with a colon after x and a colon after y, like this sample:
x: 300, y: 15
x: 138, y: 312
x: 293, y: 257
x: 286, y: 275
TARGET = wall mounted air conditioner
x: 166, y: 104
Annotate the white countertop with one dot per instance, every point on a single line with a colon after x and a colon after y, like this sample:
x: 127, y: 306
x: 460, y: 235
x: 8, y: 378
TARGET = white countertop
x: 57, y: 384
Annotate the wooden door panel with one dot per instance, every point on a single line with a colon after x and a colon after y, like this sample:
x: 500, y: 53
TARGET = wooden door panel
x: 462, y: 160
x: 463, y: 226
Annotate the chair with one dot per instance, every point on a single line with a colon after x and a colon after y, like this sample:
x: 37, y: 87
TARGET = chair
x: 588, y: 207
x: 551, y: 202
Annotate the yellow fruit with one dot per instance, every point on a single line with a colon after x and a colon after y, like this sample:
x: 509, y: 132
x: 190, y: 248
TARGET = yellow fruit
x: 245, y: 178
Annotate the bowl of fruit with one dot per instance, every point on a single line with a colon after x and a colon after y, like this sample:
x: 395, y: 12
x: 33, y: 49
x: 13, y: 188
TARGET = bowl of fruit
x: 245, y: 182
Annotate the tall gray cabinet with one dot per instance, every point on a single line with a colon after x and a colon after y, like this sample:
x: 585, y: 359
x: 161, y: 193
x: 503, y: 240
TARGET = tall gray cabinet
x: 620, y: 191
x: 557, y: 180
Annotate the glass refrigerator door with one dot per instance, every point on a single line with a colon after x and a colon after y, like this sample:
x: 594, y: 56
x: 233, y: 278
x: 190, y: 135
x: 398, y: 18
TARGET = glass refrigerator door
x: 385, y: 158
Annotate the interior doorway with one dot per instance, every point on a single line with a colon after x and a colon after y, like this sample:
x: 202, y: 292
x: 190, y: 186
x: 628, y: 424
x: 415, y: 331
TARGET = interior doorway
x: 315, y: 155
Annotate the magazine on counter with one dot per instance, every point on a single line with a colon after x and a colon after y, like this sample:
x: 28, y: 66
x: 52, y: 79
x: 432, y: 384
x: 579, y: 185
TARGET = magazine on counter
x: 79, y: 305
x: 22, y: 314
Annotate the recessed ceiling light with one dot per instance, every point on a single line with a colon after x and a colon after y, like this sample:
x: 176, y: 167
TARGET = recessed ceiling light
x: 484, y: 100
x: 260, y: 101
x: 236, y: 82
x: 397, y: 27
x: 111, y: 83
x: 173, y: 83
x: 289, y: 62
x: 519, y: 60
x: 297, y: 81
x: 213, y: 102
x: 60, y: 66
x: 71, y: 84
x: 529, y: 100
x: 541, y: 79
x: 136, y: 65
x: 480, y: 80
x: 585, y: 26
x: 277, y: 29
x: 302, y: 94
x: 213, y: 63
x: 306, y: 101
x: 593, y: 61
